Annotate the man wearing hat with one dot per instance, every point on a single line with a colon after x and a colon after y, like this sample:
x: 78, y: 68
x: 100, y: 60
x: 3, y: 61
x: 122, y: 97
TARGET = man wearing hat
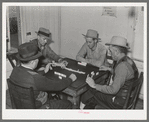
x: 92, y: 51
x: 43, y: 40
x: 24, y: 75
x: 124, y: 72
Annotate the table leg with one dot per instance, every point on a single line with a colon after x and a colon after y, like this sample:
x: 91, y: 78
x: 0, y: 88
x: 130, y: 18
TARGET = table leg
x: 76, y: 102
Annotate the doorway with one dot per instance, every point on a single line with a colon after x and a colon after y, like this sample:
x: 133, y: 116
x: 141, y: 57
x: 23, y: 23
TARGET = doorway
x: 14, y: 27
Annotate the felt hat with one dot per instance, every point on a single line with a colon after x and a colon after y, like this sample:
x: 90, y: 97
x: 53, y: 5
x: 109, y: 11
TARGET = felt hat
x: 118, y: 41
x: 44, y: 32
x: 28, y: 51
x: 92, y: 34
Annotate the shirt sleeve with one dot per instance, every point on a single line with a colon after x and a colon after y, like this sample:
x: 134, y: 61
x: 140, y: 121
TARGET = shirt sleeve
x: 50, y: 54
x: 35, y: 42
x: 121, y: 72
x: 82, y: 53
x: 45, y: 84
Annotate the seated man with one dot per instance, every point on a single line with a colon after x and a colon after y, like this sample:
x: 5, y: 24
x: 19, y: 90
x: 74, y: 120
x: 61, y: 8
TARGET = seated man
x: 124, y: 73
x: 24, y: 75
x: 92, y: 51
x: 43, y: 40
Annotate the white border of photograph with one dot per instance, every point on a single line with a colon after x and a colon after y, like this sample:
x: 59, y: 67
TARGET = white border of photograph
x: 47, y: 114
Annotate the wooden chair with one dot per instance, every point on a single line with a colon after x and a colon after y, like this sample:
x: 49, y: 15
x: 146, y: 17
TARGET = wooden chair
x: 11, y: 57
x: 132, y: 95
x: 22, y: 97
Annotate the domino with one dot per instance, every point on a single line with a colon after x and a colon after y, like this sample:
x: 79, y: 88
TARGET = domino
x: 82, y: 63
x: 59, y: 77
x: 60, y: 74
x: 97, y: 73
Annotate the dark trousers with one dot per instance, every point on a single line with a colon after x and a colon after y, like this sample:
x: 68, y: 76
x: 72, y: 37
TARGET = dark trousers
x: 92, y: 97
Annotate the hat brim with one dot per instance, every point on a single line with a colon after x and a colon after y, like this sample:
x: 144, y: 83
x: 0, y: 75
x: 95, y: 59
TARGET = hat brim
x: 42, y: 35
x: 117, y: 45
x: 39, y: 54
x: 91, y: 37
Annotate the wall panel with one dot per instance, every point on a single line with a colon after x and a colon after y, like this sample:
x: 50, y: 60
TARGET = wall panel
x: 34, y: 17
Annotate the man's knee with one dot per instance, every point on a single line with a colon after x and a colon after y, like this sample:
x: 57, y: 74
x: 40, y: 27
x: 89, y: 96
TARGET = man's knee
x: 86, y: 96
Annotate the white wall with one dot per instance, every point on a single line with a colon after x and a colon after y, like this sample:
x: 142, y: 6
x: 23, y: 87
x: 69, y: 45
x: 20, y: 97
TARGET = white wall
x: 8, y: 70
x: 75, y: 21
x: 139, y: 36
x: 13, y: 11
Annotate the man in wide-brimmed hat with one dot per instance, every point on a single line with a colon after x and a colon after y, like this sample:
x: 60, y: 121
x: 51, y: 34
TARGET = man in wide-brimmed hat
x: 92, y: 51
x: 24, y: 75
x: 43, y: 41
x: 124, y: 72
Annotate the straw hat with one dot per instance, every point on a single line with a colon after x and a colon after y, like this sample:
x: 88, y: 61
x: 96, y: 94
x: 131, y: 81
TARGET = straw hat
x: 92, y: 34
x: 118, y: 41
x: 44, y: 32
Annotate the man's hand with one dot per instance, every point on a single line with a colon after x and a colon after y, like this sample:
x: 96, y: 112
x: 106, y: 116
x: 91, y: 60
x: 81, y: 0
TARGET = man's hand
x: 90, y: 81
x: 73, y: 77
x: 48, y: 66
x: 63, y: 64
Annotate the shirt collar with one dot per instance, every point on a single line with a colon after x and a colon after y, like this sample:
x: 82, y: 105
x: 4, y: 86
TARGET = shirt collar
x: 26, y: 67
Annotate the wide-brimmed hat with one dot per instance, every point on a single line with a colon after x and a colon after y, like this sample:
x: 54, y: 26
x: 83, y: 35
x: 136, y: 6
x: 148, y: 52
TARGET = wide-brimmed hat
x: 28, y: 51
x: 118, y: 41
x: 92, y: 34
x: 44, y: 32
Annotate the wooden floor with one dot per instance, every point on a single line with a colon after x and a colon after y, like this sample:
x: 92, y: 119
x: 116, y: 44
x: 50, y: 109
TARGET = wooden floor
x: 139, y: 104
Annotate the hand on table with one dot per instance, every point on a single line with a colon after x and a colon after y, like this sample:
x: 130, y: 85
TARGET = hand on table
x: 48, y: 66
x: 63, y: 64
x: 90, y: 81
x: 73, y: 77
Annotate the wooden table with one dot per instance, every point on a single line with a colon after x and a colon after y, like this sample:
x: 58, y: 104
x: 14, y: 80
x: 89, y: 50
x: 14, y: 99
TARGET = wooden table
x: 79, y: 86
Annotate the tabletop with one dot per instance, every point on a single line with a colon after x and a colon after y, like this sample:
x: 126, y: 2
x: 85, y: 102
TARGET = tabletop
x: 81, y: 77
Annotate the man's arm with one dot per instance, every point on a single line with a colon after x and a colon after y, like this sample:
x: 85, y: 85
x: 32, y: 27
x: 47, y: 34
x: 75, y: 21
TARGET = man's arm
x: 45, y: 84
x: 120, y: 78
x: 82, y: 54
x: 35, y: 41
x: 50, y: 54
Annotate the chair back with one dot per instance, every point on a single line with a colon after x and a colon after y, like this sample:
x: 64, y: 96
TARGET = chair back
x: 11, y: 57
x: 21, y: 97
x: 134, y: 93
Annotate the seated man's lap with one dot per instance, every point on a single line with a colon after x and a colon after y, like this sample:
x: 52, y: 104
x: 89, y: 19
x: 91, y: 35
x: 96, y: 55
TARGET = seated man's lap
x: 99, y: 97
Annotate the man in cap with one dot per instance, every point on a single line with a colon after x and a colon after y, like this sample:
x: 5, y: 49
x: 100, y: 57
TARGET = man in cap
x: 92, y: 51
x: 124, y: 72
x: 24, y: 75
x: 43, y: 40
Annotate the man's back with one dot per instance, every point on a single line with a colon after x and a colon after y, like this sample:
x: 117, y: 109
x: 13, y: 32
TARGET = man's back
x: 22, y: 77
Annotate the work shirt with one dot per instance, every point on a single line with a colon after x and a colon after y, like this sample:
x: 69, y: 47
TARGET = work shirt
x: 93, y: 57
x: 123, y: 72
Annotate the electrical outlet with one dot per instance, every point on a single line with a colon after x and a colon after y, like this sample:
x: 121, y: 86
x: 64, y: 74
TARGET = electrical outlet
x: 28, y: 33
